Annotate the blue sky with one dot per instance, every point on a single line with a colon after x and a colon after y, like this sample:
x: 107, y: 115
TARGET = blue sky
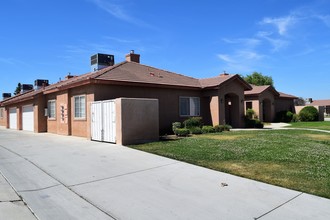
x: 288, y: 40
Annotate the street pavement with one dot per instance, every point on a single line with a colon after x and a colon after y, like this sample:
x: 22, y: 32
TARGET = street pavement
x: 47, y: 176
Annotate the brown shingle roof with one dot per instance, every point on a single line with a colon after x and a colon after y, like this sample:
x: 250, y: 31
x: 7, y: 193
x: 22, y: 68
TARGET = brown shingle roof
x: 288, y: 96
x: 138, y: 73
x: 131, y: 72
x: 324, y: 102
x: 256, y: 90
x: 218, y: 80
x: 21, y: 97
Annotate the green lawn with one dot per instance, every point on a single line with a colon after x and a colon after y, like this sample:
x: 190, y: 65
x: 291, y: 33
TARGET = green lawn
x: 323, y: 125
x: 293, y: 159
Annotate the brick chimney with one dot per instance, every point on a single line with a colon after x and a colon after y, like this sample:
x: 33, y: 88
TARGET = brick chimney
x: 132, y: 57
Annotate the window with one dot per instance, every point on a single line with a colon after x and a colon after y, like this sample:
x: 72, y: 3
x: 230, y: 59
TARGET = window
x: 1, y: 112
x: 189, y: 106
x: 51, y: 109
x: 248, y: 105
x: 80, y: 106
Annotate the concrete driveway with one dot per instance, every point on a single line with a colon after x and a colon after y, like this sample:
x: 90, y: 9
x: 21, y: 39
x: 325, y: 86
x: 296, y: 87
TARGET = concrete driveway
x: 61, y: 177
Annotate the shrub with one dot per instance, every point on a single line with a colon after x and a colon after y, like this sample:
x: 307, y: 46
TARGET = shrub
x: 182, y: 132
x: 295, y: 118
x: 249, y: 123
x: 193, y: 122
x: 227, y: 127
x: 175, y: 125
x: 196, y: 130
x: 250, y: 113
x: 207, y: 129
x: 258, y: 124
x: 284, y: 116
x: 218, y: 128
x: 309, y: 113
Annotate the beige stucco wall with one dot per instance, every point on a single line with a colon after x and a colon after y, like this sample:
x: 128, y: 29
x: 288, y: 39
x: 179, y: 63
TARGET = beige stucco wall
x: 40, y: 122
x: 263, y: 102
x: 168, y: 100
x: 137, y: 120
x: 237, y: 113
x: 3, y: 116
x: 214, y: 110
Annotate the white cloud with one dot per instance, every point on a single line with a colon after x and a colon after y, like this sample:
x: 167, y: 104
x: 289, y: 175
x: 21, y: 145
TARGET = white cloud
x: 282, y: 23
x: 118, y: 11
x: 241, y: 60
x: 324, y: 18
x: 277, y: 43
x: 121, y: 40
x: 225, y: 57
x: 7, y: 60
x: 247, y: 42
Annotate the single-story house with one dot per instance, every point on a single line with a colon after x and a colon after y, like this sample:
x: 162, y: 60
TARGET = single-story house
x: 65, y: 107
x: 325, y: 103
x: 267, y: 102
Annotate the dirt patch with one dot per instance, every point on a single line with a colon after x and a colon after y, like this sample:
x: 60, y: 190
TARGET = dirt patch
x: 319, y: 137
x: 228, y: 137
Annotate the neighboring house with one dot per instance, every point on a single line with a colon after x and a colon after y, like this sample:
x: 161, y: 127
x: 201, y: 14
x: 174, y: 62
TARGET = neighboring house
x: 324, y: 103
x: 267, y: 102
x: 65, y: 107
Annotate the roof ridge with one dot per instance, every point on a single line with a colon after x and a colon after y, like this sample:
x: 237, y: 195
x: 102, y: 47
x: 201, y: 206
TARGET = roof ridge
x: 105, y: 70
x: 165, y: 70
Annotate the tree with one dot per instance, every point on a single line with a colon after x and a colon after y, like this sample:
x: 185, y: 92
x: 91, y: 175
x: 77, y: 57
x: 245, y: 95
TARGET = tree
x: 299, y: 101
x: 18, y: 89
x: 258, y: 79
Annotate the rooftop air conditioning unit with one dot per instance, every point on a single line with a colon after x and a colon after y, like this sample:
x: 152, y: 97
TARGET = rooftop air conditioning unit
x: 6, y: 95
x: 39, y: 83
x: 100, y: 61
x: 26, y: 87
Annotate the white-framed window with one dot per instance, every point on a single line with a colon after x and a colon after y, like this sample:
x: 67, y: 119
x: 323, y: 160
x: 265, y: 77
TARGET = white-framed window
x: 80, y: 106
x: 51, y: 106
x: 189, y: 106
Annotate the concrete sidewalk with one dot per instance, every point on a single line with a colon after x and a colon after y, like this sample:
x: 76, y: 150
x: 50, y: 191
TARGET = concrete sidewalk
x: 62, y: 177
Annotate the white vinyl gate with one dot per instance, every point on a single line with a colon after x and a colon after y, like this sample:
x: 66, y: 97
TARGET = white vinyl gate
x: 27, y: 118
x: 103, y: 121
x: 12, y: 118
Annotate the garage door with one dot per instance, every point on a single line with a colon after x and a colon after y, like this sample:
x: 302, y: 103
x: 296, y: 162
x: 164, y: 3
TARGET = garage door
x: 12, y: 118
x: 103, y: 123
x: 27, y: 118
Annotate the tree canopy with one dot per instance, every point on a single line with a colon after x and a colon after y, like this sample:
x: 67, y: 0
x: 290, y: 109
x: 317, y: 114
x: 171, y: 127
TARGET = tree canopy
x: 258, y: 79
x: 18, y: 89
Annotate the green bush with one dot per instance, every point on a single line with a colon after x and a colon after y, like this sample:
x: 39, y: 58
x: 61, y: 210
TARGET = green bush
x: 196, y: 130
x: 193, y: 122
x: 309, y: 113
x: 227, y: 127
x: 208, y: 129
x: 249, y: 123
x: 175, y: 125
x: 284, y: 116
x: 250, y: 113
x: 182, y: 132
x: 258, y: 124
x: 253, y: 123
x: 218, y: 128
x: 295, y: 118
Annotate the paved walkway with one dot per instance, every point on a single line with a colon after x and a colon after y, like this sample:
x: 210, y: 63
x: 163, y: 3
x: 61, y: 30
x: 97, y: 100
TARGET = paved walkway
x: 60, y: 177
x: 282, y: 125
